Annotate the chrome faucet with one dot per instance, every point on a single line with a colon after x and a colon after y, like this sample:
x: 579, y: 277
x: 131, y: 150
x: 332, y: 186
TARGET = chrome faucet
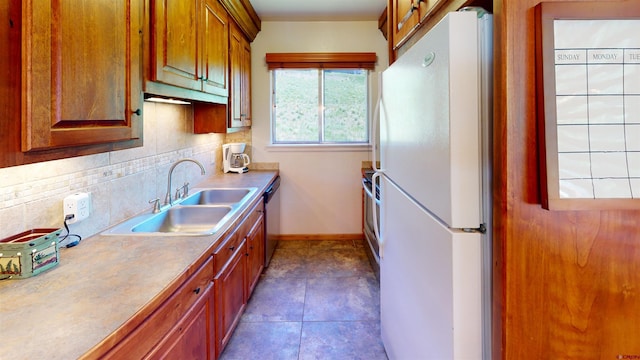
x: 167, y: 198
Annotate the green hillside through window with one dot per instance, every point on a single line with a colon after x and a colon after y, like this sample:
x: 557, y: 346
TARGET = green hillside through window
x: 320, y: 106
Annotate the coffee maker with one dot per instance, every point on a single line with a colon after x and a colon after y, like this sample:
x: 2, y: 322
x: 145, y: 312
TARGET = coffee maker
x: 233, y: 158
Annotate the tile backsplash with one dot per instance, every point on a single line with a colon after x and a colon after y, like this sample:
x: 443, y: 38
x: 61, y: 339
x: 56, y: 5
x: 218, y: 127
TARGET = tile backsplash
x: 121, y: 183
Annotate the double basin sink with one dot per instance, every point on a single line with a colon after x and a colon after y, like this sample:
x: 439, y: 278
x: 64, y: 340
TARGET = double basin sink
x: 203, y: 213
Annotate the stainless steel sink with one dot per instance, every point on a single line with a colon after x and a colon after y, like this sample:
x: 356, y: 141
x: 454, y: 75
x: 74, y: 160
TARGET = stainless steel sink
x: 186, y: 219
x: 203, y: 213
x: 218, y: 196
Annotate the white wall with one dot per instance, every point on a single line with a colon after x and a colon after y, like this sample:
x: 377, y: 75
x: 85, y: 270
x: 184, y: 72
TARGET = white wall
x: 320, y: 189
x: 121, y: 182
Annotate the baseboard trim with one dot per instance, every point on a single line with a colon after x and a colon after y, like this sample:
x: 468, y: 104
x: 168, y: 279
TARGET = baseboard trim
x: 347, y: 237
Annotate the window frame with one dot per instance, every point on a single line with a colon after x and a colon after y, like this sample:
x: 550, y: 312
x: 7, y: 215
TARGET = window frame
x: 320, y: 62
x: 321, y: 119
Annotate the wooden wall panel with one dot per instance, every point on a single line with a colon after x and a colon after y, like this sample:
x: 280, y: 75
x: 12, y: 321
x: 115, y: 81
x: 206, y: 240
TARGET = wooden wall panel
x: 566, y: 283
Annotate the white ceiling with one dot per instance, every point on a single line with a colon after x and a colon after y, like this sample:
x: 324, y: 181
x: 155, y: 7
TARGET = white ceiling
x: 318, y: 10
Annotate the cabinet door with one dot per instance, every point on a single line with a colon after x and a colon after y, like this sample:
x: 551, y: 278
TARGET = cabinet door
x: 230, y: 296
x: 175, y: 31
x: 215, y: 49
x: 192, y: 337
x: 426, y: 8
x: 405, y: 17
x: 184, y: 323
x: 81, y: 72
x: 255, y: 254
x: 245, y: 84
x: 236, y: 50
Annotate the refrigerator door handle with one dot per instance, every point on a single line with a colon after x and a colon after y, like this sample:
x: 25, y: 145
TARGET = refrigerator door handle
x: 374, y: 126
x: 377, y: 119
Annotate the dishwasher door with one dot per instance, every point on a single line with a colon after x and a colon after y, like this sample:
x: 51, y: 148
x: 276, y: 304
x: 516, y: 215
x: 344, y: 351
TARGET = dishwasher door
x: 272, y: 219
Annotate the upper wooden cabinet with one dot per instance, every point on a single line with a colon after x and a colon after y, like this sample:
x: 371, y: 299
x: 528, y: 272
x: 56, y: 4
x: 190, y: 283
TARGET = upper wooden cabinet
x: 405, y: 17
x: 237, y: 116
x: 81, y: 81
x: 408, y: 15
x: 382, y: 24
x: 215, y: 48
x: 189, y: 49
x: 244, y: 15
x: 240, y: 70
x: 409, y: 20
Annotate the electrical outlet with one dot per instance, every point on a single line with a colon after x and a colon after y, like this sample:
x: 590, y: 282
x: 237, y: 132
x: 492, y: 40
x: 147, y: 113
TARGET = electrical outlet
x: 78, y: 205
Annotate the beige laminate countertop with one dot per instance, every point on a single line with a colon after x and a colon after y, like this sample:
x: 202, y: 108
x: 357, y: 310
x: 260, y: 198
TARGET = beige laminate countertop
x: 103, y: 282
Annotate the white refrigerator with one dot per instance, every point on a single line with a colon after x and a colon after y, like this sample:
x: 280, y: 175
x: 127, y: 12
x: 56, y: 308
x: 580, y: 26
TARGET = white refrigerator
x: 435, y: 173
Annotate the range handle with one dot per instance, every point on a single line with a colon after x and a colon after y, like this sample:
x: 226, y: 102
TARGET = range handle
x: 374, y: 211
x: 366, y: 185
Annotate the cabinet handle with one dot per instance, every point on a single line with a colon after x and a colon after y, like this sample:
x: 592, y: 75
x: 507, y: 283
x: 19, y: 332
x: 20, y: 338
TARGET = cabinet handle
x: 197, y: 291
x: 138, y: 112
x: 407, y: 15
x: 232, y: 248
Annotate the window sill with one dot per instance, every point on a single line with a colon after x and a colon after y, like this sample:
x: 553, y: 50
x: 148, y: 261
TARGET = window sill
x: 320, y: 147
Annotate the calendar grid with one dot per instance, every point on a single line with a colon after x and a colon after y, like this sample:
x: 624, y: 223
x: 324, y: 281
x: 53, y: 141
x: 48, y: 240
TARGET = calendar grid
x: 598, y: 120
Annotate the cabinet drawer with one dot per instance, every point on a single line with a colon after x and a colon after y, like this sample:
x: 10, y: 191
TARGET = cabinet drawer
x: 225, y: 251
x: 140, y: 341
x: 253, y: 216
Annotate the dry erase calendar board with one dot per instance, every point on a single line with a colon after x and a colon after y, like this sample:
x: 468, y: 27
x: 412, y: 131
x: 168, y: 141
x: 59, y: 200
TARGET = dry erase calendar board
x: 588, y: 81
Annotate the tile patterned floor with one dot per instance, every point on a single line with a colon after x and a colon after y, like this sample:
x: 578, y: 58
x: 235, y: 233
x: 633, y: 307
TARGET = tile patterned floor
x: 317, y: 300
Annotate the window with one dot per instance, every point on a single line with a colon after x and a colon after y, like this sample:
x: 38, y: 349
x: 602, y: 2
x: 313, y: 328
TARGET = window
x: 319, y: 102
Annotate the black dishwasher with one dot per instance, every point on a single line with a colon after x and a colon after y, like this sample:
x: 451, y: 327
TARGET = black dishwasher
x: 272, y: 219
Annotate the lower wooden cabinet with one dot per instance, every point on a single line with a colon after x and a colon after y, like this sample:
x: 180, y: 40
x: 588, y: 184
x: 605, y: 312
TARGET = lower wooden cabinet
x: 181, y: 328
x: 239, y: 261
x: 192, y: 337
x: 230, y: 286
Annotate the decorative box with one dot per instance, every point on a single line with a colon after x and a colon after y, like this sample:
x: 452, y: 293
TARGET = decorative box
x: 29, y: 253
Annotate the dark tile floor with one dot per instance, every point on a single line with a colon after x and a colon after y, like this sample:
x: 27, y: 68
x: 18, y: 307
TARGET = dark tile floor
x: 317, y: 300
